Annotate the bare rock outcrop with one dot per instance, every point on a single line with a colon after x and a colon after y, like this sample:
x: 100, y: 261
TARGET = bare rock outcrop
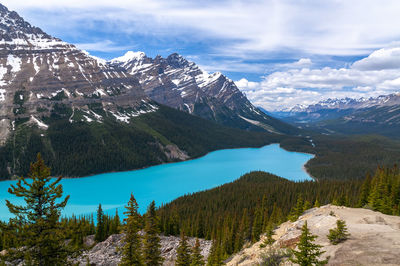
x: 107, y: 253
x: 374, y: 239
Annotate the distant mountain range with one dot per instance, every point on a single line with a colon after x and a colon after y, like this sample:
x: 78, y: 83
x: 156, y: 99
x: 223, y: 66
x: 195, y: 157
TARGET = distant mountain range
x: 88, y: 115
x: 380, y: 115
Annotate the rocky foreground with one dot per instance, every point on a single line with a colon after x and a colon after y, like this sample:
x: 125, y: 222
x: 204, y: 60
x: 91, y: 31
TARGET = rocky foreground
x: 374, y: 240
x: 107, y: 253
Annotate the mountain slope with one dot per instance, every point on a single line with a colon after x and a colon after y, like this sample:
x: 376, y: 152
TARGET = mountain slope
x: 83, y: 148
x: 38, y: 71
x: 86, y: 116
x: 181, y: 84
x: 384, y: 120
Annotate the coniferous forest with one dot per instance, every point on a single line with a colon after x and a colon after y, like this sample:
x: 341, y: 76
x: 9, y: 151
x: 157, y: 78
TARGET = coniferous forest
x: 231, y: 215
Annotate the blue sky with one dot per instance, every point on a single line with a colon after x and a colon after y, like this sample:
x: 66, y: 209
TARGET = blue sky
x: 280, y: 52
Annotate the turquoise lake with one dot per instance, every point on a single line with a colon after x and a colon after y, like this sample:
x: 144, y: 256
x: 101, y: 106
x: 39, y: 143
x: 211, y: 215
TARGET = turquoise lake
x: 165, y: 182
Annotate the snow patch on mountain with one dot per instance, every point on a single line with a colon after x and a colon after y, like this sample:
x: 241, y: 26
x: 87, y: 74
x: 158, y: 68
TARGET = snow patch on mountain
x: 129, y: 56
x: 14, y: 62
x: 348, y: 103
x: 2, y: 95
x: 39, y: 123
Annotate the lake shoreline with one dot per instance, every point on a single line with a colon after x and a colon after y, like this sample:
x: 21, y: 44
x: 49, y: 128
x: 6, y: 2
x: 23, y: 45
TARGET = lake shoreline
x: 164, y: 163
x: 189, y: 159
x: 166, y: 182
x: 195, y: 158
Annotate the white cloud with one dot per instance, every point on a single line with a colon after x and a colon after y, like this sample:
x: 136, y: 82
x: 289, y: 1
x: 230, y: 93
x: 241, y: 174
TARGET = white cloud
x: 385, y: 58
x: 248, y: 28
x: 374, y: 75
x: 303, y: 62
x: 248, y: 32
x: 102, y: 46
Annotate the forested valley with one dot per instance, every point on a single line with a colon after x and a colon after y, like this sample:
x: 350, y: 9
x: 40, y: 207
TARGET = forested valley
x: 231, y: 215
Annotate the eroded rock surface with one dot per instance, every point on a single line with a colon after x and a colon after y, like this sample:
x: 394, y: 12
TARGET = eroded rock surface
x: 107, y: 252
x: 374, y: 240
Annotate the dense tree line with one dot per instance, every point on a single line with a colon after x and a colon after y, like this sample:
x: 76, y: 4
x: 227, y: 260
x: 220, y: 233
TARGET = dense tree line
x: 345, y: 157
x: 80, y: 148
x: 37, y: 235
x: 230, y: 215
x: 381, y: 192
x: 237, y: 212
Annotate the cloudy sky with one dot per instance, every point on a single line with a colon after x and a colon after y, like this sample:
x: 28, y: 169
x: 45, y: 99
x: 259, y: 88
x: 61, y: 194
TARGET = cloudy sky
x: 279, y: 52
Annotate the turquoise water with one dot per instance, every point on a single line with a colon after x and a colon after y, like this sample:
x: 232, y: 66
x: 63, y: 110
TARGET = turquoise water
x: 166, y: 182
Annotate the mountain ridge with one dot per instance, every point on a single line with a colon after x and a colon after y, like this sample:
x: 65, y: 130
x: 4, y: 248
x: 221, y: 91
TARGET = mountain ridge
x: 375, y: 115
x: 181, y: 84
x: 88, y: 116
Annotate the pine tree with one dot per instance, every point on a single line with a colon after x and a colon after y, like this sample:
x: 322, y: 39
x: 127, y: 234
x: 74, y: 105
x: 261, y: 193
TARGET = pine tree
x: 269, y: 233
x: 316, y: 203
x: 183, y: 252
x: 297, y: 210
x: 257, y: 225
x: 215, y: 256
x: 365, y: 189
x: 197, y: 259
x: 307, y: 205
x: 38, y: 222
x: 339, y: 234
x: 308, y: 252
x: 101, y: 226
x: 132, y: 249
x: 242, y: 233
x: 152, y: 253
x: 116, y: 224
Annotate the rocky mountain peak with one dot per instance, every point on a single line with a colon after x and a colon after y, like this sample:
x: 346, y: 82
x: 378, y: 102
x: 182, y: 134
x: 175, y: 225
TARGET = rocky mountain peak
x: 38, y: 72
x: 17, y: 34
x: 177, y: 61
x: 128, y: 57
x: 181, y: 84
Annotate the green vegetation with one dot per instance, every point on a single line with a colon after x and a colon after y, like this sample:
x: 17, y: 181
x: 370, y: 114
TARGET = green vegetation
x: 274, y: 257
x: 151, y: 247
x: 343, y: 158
x: 233, y: 214
x: 197, y: 259
x: 100, y: 229
x: 81, y: 148
x: 183, y: 252
x: 132, y: 249
x: 37, y: 221
x: 339, y: 234
x: 382, y: 120
x: 382, y: 191
x: 308, y: 253
x: 230, y: 215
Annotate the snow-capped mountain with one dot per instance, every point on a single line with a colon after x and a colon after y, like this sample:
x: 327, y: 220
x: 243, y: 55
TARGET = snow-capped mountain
x: 181, y: 84
x: 38, y: 71
x: 89, y: 116
x: 348, y: 103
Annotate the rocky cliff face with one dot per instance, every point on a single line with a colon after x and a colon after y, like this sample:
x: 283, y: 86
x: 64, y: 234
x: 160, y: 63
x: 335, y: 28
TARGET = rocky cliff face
x: 62, y: 102
x: 374, y: 239
x: 107, y: 253
x: 181, y: 84
x: 38, y: 71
